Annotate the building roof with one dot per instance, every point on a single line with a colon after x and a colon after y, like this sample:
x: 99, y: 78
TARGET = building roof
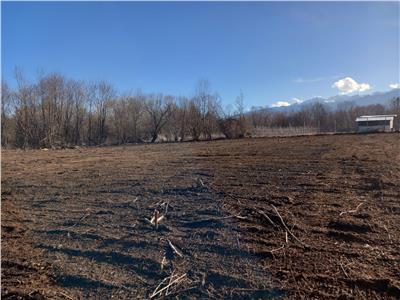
x: 376, y: 118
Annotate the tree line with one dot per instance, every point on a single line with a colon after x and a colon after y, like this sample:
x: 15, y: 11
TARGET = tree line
x: 55, y: 111
x: 321, y: 118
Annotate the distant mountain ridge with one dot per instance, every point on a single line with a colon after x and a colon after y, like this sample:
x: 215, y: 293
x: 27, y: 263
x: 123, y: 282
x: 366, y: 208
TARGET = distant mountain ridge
x: 334, y: 102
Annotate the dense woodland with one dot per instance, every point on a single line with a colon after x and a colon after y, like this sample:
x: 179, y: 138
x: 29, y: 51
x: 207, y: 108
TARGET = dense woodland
x: 56, y: 112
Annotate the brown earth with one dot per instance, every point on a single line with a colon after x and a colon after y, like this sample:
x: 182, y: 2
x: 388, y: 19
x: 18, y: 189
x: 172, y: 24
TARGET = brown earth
x: 74, y: 221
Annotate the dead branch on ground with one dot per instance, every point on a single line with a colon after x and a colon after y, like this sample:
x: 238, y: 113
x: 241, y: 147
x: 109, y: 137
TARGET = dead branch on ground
x: 171, y: 282
x: 351, y: 211
x: 345, y: 273
x: 156, y: 219
x: 287, y: 228
x: 277, y: 249
x: 66, y: 296
x: 163, y: 262
x: 266, y: 216
x: 174, y: 248
x: 200, y: 183
x: 80, y: 220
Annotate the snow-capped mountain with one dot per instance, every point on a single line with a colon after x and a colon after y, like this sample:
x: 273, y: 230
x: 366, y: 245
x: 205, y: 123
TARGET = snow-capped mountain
x: 334, y: 102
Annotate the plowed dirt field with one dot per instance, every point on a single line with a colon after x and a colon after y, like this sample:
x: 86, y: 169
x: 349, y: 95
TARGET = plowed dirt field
x: 302, y: 217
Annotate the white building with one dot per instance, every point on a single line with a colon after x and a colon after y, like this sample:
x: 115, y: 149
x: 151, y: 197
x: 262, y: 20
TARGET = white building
x: 375, y: 123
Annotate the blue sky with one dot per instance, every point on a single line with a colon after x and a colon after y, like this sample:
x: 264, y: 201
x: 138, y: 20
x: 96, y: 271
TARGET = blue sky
x: 271, y: 51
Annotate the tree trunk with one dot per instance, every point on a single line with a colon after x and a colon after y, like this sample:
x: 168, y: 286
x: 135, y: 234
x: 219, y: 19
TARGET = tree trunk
x: 154, y: 138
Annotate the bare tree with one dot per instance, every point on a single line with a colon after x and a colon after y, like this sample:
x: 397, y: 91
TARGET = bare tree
x: 242, y: 124
x: 136, y: 111
x: 395, y: 106
x: 26, y: 124
x: 6, y: 120
x: 202, y: 100
x: 79, y: 94
x: 52, y: 103
x: 205, y: 110
x: 183, y: 117
x: 159, y: 109
x: 172, y: 127
x: 101, y: 94
x: 120, y: 119
x: 319, y: 115
x: 195, y: 119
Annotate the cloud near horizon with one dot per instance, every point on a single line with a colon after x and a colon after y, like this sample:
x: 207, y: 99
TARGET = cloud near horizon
x: 315, y: 79
x: 348, y: 85
x: 394, y: 85
x: 280, y: 104
x: 286, y: 103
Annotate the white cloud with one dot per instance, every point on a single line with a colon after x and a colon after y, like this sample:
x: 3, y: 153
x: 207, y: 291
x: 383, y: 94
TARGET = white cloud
x: 349, y: 85
x: 315, y: 79
x: 394, y: 86
x: 280, y: 104
x: 287, y: 103
x: 296, y: 100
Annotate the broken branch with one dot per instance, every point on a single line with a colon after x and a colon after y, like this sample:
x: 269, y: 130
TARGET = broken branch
x: 177, y: 280
x: 345, y: 273
x: 155, y: 221
x: 156, y: 218
x: 266, y: 216
x: 174, y: 248
x: 351, y: 211
x: 287, y: 229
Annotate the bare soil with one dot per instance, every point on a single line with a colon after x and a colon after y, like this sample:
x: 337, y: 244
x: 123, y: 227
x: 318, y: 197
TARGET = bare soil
x: 300, y: 217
